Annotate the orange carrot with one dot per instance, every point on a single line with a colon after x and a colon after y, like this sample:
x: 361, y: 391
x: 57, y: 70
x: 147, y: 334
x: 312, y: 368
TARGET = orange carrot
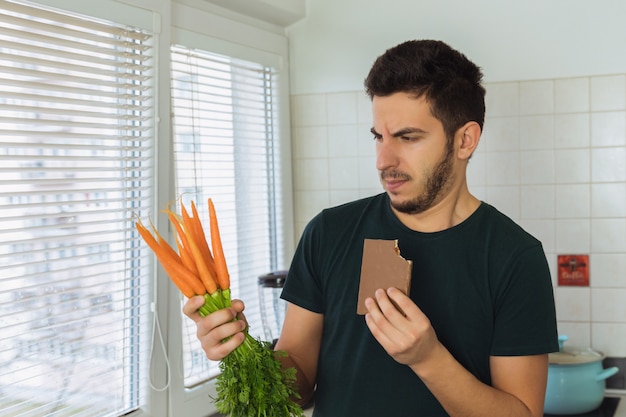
x: 162, y: 242
x: 177, y: 272
x: 180, y: 283
x: 198, y: 231
x: 184, y: 250
x: 186, y: 282
x: 203, y: 272
x: 221, y: 269
x: 186, y: 258
x: 200, y: 241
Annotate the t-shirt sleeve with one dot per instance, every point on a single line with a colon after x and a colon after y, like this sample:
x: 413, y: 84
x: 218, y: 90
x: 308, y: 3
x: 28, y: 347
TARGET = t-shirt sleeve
x: 525, y: 317
x: 303, y: 285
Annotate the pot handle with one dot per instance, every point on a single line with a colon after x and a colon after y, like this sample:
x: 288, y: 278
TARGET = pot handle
x: 607, y: 373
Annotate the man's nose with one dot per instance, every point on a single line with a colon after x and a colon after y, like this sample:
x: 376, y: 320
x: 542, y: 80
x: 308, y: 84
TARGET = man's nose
x: 386, y: 154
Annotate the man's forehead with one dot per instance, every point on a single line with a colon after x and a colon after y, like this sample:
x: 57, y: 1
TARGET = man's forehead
x: 400, y: 112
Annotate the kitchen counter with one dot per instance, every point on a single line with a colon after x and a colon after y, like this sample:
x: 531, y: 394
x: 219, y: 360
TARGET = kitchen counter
x: 620, y: 412
x: 621, y: 407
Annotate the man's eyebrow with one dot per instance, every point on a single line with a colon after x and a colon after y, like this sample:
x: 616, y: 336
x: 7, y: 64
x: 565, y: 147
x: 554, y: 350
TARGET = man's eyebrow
x: 406, y: 131
x: 400, y: 132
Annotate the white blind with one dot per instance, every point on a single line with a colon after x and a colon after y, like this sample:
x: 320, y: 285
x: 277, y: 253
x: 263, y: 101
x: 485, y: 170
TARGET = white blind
x: 76, y: 143
x: 225, y: 147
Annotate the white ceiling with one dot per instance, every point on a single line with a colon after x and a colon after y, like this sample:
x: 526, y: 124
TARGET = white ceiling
x: 279, y: 12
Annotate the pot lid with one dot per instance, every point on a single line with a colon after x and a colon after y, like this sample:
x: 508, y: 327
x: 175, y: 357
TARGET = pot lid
x: 573, y: 355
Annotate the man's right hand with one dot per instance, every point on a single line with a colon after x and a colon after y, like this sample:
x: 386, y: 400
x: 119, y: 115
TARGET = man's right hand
x: 219, y: 333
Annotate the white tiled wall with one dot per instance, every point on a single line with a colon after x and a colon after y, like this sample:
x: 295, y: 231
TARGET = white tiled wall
x: 333, y: 152
x: 552, y: 157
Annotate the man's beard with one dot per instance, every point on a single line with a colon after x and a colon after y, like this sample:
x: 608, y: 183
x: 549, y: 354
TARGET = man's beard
x: 437, y: 183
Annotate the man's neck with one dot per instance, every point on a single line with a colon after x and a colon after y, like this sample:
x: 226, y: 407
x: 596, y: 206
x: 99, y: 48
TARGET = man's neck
x: 454, y: 209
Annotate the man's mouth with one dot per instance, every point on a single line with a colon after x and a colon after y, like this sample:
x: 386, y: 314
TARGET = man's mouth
x: 392, y: 181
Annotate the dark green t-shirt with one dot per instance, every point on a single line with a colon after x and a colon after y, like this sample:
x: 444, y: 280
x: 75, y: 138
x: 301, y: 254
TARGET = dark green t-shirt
x: 484, y: 284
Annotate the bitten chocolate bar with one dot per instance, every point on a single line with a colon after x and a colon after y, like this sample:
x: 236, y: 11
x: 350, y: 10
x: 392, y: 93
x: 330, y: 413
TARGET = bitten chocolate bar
x: 382, y: 267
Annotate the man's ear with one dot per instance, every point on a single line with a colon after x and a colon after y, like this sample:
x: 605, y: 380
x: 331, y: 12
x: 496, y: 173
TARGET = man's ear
x: 469, y: 136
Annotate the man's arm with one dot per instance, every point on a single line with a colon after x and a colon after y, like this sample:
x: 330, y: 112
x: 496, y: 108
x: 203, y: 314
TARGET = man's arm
x: 518, y: 383
x: 301, y: 338
x: 518, y: 386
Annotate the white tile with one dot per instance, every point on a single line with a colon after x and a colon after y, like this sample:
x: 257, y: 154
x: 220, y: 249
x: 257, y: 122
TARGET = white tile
x: 536, y: 97
x: 368, y: 192
x: 572, y: 166
x: 308, y: 110
x: 298, y: 230
x: 342, y: 141
x: 502, y: 99
x: 608, y: 129
x: 572, y: 303
x: 608, y: 200
x: 609, y: 338
x: 537, y: 202
x: 536, y: 132
x: 608, y: 235
x: 476, y: 170
x: 571, y: 95
x: 501, y: 134
x: 579, y: 333
x: 572, y: 130
x: 608, y: 92
x: 310, y: 142
x: 506, y: 199
x: 543, y: 230
x: 607, y: 270
x: 338, y: 197
x: 502, y: 168
x: 366, y: 145
x: 311, y: 174
x: 364, y: 109
x: 341, y: 108
x: 608, y: 164
x: 344, y: 173
x: 573, y: 201
x: 573, y: 236
x: 368, y: 174
x: 479, y: 192
x: 551, y: 257
x: 537, y: 167
x: 309, y: 203
x: 608, y: 305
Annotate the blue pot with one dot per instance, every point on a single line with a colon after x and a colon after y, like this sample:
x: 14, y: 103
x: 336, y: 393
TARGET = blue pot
x: 576, y: 380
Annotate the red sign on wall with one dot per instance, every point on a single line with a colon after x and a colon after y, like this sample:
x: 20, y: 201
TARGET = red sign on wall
x: 573, y: 270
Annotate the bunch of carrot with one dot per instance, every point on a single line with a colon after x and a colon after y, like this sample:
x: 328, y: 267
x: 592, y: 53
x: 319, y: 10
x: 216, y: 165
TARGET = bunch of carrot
x: 252, y: 381
x: 194, y: 269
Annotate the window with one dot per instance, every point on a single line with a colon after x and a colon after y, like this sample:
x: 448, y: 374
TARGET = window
x: 82, y: 86
x: 76, y: 162
x: 226, y: 148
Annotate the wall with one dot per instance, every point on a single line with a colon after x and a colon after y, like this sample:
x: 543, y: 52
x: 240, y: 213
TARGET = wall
x: 333, y: 47
x: 552, y: 157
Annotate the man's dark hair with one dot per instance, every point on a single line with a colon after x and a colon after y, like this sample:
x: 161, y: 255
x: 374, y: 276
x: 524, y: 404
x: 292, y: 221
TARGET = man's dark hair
x: 431, y: 69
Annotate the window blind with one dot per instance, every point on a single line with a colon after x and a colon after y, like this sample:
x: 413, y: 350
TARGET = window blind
x: 225, y: 148
x: 76, y: 146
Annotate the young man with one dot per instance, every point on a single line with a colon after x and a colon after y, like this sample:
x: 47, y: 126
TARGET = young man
x: 472, y: 337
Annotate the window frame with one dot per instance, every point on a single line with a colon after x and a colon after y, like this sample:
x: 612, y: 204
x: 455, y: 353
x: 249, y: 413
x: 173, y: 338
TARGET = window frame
x: 203, y: 30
